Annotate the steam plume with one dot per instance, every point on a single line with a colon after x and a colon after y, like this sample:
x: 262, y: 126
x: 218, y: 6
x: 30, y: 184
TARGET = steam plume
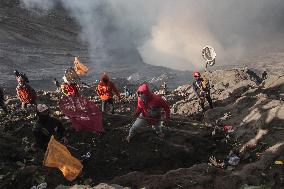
x: 172, y: 33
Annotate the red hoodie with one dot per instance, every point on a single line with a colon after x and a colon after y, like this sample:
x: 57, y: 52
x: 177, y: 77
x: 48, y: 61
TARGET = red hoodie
x: 153, y: 106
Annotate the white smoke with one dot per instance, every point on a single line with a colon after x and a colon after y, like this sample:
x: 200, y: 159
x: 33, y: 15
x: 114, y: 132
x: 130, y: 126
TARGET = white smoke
x: 42, y: 4
x: 172, y: 33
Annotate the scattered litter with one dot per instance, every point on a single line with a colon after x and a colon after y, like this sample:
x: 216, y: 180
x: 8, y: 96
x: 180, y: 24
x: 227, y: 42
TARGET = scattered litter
x: 57, y: 113
x: 230, y: 168
x: 213, y: 132
x: 66, y: 118
x: 88, y: 181
x: 234, y: 160
x: 255, y: 187
x: 228, y: 128
x: 226, y: 116
x: 20, y: 164
x: 86, y: 156
x: 58, y: 156
x: 258, y: 154
x: 25, y: 140
x: 40, y: 186
x: 71, y: 147
x: 214, y: 162
x: 279, y: 162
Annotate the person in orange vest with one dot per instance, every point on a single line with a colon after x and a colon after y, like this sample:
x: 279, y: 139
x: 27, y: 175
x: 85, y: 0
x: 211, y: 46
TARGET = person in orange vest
x: 25, y: 93
x: 69, y: 89
x: 105, y: 90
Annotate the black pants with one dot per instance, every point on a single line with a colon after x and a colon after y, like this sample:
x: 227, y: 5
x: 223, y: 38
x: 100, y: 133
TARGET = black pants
x: 109, y: 103
x: 209, y: 100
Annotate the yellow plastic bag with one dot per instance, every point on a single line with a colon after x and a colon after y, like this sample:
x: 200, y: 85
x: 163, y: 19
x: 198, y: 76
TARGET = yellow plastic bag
x: 279, y: 162
x: 80, y: 68
x: 58, y: 156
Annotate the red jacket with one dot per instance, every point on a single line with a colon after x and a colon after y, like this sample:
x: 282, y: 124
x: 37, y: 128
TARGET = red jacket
x: 69, y: 89
x: 105, y: 90
x: 153, y: 106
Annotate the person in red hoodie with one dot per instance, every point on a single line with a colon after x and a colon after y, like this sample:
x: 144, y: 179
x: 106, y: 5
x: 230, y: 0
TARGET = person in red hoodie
x: 149, y: 111
x: 105, y: 90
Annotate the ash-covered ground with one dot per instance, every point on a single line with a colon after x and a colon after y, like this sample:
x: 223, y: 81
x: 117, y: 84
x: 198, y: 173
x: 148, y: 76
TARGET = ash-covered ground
x: 43, y: 45
x: 181, y: 160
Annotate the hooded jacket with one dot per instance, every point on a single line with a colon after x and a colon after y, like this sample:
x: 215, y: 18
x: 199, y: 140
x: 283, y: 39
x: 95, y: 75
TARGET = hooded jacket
x: 105, y: 90
x: 152, y: 107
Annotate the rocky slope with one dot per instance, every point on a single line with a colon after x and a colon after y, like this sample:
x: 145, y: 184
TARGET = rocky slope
x: 253, y: 108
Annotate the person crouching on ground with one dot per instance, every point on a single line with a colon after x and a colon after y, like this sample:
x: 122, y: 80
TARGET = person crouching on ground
x: 25, y: 93
x: 148, y: 111
x: 45, y: 127
x: 201, y: 89
x: 105, y: 90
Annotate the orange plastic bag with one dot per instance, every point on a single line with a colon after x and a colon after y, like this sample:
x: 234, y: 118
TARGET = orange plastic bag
x: 58, y: 156
x: 80, y: 68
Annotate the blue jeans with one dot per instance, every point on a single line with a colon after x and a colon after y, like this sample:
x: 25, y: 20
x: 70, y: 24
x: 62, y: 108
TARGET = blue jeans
x: 140, y: 122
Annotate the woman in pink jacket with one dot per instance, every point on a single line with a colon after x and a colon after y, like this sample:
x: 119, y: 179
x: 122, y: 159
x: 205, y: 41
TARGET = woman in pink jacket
x: 148, y: 111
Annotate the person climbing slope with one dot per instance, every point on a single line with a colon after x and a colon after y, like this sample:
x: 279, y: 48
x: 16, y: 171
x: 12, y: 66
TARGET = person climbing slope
x: 105, y: 90
x: 149, y: 111
x: 25, y: 92
x: 201, y: 89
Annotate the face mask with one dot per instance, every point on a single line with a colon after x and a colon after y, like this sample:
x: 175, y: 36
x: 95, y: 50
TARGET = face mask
x: 143, y: 97
x: 105, y: 80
